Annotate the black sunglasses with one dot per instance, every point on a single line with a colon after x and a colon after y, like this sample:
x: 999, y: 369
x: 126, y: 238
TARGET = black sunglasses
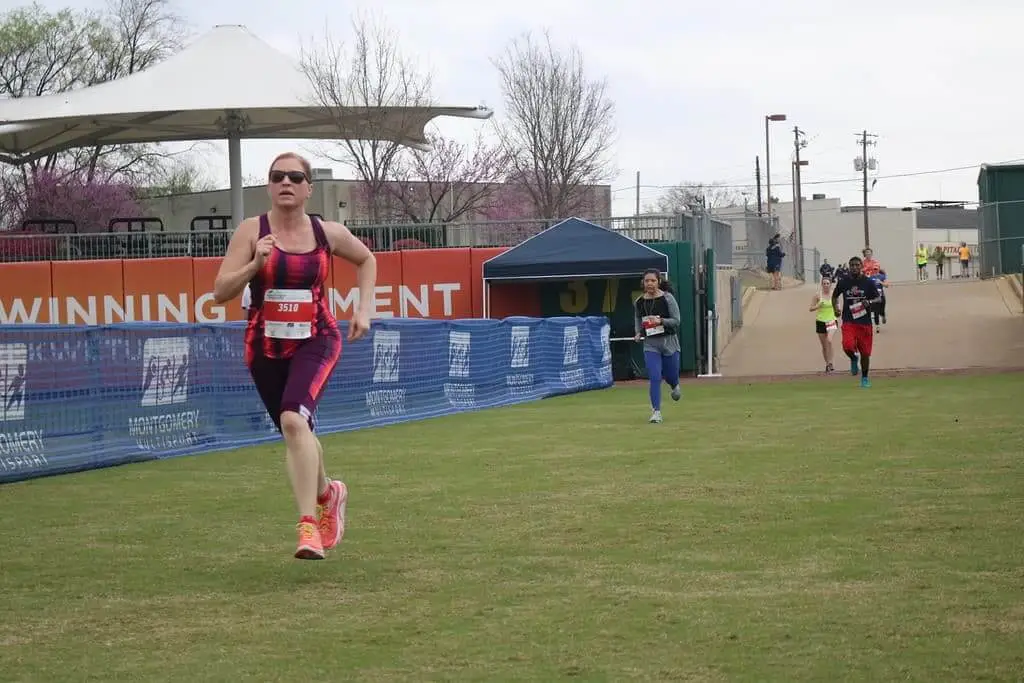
x: 296, y: 177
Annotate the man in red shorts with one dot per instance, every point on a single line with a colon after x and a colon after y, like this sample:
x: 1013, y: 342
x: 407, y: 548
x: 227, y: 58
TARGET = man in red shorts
x: 859, y: 294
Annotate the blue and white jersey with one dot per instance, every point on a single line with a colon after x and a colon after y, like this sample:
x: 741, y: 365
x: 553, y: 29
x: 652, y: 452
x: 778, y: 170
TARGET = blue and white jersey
x: 879, y: 280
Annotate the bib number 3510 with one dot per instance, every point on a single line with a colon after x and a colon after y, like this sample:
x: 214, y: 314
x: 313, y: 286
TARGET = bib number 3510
x: 288, y: 313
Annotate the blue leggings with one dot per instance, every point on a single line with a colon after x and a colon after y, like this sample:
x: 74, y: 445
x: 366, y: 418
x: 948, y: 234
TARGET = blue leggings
x: 659, y: 368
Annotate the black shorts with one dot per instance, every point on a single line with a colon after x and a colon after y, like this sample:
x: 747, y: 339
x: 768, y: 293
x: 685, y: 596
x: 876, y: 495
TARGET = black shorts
x: 774, y: 269
x: 922, y: 266
x: 820, y: 328
x: 296, y: 383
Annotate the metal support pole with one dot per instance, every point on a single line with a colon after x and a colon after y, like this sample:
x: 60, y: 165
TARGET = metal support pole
x: 712, y: 318
x: 234, y: 125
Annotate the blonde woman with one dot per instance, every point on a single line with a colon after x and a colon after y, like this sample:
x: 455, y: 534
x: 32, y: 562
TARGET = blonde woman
x: 825, y: 321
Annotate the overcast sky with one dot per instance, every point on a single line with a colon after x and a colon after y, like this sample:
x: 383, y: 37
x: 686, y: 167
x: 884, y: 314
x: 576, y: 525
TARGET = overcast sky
x: 692, y: 83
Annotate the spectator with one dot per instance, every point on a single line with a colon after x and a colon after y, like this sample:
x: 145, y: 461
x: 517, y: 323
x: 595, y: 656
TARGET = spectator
x: 939, y: 256
x: 965, y: 260
x: 774, y: 256
x: 826, y: 270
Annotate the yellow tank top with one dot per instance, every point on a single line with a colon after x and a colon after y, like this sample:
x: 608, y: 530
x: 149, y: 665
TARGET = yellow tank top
x: 826, y: 313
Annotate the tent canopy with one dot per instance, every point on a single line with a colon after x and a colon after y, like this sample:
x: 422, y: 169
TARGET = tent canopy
x: 574, y: 248
x: 226, y: 82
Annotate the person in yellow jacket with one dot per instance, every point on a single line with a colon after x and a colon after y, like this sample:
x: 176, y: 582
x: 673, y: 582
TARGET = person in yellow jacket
x: 965, y: 259
x: 922, y: 262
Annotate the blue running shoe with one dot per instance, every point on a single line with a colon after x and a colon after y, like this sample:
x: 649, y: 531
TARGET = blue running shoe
x: 865, y: 383
x: 854, y: 366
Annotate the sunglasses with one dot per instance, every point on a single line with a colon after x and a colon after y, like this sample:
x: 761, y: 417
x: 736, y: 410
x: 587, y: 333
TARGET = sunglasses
x: 296, y: 177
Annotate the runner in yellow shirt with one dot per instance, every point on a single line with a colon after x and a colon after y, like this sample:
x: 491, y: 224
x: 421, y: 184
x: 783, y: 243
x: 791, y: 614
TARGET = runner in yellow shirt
x: 922, y: 262
x: 825, y: 321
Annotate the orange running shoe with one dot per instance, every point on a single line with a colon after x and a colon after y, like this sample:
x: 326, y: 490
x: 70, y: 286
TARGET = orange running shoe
x: 331, y: 514
x: 310, y: 545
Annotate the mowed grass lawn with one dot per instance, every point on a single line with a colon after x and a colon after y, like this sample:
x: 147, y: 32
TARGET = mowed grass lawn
x: 809, y: 531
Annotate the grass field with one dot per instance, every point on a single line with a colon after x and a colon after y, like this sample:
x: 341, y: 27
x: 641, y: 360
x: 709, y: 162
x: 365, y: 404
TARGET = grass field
x: 807, y: 531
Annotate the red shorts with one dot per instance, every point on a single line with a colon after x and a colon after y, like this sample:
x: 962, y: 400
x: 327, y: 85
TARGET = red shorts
x: 858, y: 338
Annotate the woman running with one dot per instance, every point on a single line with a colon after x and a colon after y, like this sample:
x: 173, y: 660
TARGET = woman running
x: 825, y: 321
x: 292, y: 342
x: 656, y: 321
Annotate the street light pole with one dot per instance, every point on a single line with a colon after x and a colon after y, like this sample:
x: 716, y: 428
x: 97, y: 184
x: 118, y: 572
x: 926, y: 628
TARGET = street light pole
x: 768, y: 161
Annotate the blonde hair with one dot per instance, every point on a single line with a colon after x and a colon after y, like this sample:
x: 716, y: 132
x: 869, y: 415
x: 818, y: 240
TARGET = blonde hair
x: 306, y: 167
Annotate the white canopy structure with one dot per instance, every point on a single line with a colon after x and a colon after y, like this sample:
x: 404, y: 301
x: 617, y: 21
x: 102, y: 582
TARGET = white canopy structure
x: 228, y: 84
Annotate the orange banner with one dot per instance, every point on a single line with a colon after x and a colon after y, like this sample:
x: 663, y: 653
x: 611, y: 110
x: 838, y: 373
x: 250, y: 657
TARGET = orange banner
x: 87, y: 292
x: 427, y: 283
x: 26, y: 290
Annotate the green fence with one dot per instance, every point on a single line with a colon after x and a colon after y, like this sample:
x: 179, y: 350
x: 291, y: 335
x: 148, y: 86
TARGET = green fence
x: 1001, y: 219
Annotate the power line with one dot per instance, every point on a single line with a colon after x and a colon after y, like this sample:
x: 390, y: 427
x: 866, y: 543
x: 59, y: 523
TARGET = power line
x: 835, y: 181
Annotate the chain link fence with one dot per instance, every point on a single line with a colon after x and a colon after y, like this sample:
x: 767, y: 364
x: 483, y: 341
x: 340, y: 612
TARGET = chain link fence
x: 996, y: 256
x: 702, y: 230
x: 751, y: 252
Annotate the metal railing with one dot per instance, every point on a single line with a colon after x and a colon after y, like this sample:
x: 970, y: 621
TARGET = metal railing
x: 22, y: 246
x: 87, y: 246
x: 796, y: 264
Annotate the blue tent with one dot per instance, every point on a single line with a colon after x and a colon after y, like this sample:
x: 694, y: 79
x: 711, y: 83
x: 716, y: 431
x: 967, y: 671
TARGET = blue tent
x: 573, y: 249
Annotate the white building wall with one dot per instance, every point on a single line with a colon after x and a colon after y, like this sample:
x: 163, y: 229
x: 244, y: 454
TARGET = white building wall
x: 931, y: 237
x: 839, y: 234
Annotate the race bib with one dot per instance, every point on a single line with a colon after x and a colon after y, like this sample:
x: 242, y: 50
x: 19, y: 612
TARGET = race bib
x: 651, y: 326
x: 858, y: 309
x: 831, y: 326
x: 288, y: 314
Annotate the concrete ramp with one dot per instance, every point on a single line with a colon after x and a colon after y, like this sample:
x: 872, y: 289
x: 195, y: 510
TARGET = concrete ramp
x: 931, y: 325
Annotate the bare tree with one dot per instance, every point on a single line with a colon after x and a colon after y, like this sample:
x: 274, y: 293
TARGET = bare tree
x: 449, y: 182
x: 559, y: 125
x: 686, y: 196
x: 372, y: 72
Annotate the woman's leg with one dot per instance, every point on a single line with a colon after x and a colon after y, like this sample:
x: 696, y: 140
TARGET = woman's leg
x: 670, y: 373
x: 311, y: 367
x: 653, y: 361
x: 823, y: 340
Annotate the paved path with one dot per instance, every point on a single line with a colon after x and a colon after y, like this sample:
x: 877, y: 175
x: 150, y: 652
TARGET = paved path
x: 932, y: 325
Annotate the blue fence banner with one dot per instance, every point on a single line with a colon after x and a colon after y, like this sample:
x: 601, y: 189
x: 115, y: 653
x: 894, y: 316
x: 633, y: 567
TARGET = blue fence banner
x: 76, y: 398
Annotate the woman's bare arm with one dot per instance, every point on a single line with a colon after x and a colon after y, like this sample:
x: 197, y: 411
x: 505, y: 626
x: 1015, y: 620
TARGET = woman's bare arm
x: 238, y: 266
x: 348, y: 247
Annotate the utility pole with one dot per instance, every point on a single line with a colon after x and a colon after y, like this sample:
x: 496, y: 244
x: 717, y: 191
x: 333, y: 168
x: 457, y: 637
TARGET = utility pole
x: 799, y: 142
x: 864, y: 163
x: 757, y: 177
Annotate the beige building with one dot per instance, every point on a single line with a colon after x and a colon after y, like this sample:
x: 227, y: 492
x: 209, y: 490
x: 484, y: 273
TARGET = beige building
x: 345, y: 201
x: 837, y: 232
